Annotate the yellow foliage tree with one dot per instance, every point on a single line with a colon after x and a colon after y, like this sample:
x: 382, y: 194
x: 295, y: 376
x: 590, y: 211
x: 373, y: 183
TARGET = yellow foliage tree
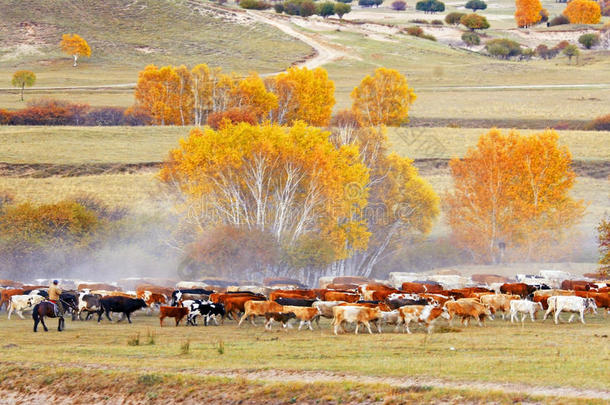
x: 512, y: 197
x: 383, y: 99
x: 527, y: 12
x: 75, y: 46
x: 250, y: 94
x: 583, y: 12
x: 302, y: 94
x: 286, y: 181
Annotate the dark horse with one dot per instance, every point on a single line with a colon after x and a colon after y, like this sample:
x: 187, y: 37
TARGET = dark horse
x: 47, y: 308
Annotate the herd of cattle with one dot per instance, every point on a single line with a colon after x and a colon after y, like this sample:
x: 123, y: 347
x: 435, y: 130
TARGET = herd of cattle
x: 344, y: 303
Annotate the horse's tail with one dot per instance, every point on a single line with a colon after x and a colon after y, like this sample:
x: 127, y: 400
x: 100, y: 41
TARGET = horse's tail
x: 35, y: 315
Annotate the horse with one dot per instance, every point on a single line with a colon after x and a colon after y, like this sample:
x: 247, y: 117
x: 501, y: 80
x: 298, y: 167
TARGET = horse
x: 46, y: 308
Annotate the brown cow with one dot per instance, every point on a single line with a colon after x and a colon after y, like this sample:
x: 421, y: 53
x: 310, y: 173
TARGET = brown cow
x: 418, y: 288
x: 368, y: 290
x: 488, y: 278
x: 467, y: 308
x: 6, y: 295
x: 581, y: 285
x: 357, y: 314
x: 178, y: 313
x: 235, y: 303
x: 498, y: 302
x: 520, y: 289
x: 11, y: 283
x: 350, y: 280
x: 141, y: 290
x: 97, y: 286
x: 341, y: 296
x: 343, y: 287
x: 542, y: 299
x: 304, y: 314
x: 260, y: 308
x: 306, y: 294
x: 602, y: 300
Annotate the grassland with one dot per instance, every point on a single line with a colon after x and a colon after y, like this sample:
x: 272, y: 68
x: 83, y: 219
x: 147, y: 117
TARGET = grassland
x: 572, y: 356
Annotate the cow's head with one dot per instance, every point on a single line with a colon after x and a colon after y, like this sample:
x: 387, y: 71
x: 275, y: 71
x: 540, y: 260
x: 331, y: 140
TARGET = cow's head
x: 141, y: 303
x: 590, y: 305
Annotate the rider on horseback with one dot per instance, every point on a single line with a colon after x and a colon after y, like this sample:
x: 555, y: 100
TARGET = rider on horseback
x: 54, y: 293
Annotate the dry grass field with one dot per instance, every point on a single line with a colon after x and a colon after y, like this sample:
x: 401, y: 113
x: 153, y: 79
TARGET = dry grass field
x: 487, y: 361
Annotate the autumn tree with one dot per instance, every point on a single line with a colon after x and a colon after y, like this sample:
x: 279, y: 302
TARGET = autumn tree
x: 383, y: 99
x: 23, y: 78
x: 166, y: 94
x: 603, y: 239
x: 570, y: 51
x: 341, y: 9
x: 512, y: 192
x: 527, y: 12
x: 474, y: 22
x: 302, y: 94
x: 583, y: 12
x: 250, y: 94
x: 285, y: 181
x: 75, y: 46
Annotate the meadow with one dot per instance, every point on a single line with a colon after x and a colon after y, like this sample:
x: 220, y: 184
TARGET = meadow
x: 484, y: 359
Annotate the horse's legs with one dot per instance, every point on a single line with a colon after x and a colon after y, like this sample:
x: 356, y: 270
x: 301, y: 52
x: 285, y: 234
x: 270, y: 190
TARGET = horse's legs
x: 60, y: 324
x: 43, y: 324
x: 129, y: 318
x: 35, y: 325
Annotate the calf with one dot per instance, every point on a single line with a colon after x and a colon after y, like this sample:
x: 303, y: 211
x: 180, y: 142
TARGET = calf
x: 570, y: 304
x: 20, y: 303
x: 498, y: 302
x: 178, y: 313
x: 259, y: 308
x: 304, y: 314
x: 524, y: 307
x: 206, y: 310
x: 354, y: 314
x: 326, y: 307
x: 389, y: 318
x: 124, y: 305
x: 467, y: 308
x: 282, y: 317
x: 89, y: 303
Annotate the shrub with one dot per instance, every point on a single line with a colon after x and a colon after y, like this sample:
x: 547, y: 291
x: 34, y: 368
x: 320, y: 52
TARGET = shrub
x: 341, y: 9
x: 562, y: 45
x: 527, y: 54
x: 454, y: 18
x: 399, y: 5
x: 292, y: 7
x: 308, y: 8
x: 254, y: 4
x: 5, y: 117
x: 105, y: 116
x: 345, y: 1
x: 437, y: 22
x: 429, y: 37
x: 474, y: 22
x: 559, y: 20
x: 600, y: 123
x: 419, y: 21
x: 430, y: 6
x: 570, y: 51
x: 50, y: 112
x: 471, y: 38
x: 325, y: 9
x: 475, y: 5
x: 220, y: 119
x: 137, y: 117
x: 503, y: 48
x: 544, y: 52
x: 415, y: 31
x: 279, y: 8
x: 589, y: 40
x: 369, y: 3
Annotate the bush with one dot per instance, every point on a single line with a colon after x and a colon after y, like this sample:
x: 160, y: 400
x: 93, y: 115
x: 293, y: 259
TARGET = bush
x: 292, y: 7
x: 106, y: 116
x: 437, y: 22
x: 345, y: 1
x: 429, y: 37
x: 50, y: 112
x: 454, y: 18
x: 5, y: 117
x: 430, y: 6
x: 600, y: 123
x: 559, y: 20
x: 562, y: 45
x: 419, y: 21
x: 474, y: 22
x: 415, y: 31
x: 526, y: 54
x: 503, y: 48
x: 137, y: 117
x: 475, y: 5
x: 369, y: 3
x: 218, y: 120
x: 341, y: 9
x: 399, y: 5
x: 279, y: 8
x: 589, y: 40
x: 254, y: 4
x: 544, y: 52
x: 471, y: 38
x: 325, y: 9
x: 308, y: 8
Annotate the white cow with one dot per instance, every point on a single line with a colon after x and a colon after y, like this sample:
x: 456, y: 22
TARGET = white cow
x: 20, y: 303
x: 570, y: 303
x: 390, y: 318
x: 524, y: 307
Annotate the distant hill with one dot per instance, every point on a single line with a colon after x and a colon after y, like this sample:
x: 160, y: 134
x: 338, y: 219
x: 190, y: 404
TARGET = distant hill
x: 133, y: 33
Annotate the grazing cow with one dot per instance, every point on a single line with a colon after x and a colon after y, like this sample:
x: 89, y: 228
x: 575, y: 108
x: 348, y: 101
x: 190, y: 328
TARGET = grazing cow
x: 570, y: 304
x: 89, y: 303
x: 341, y: 296
x: 467, y: 308
x: 282, y: 317
x: 326, y: 307
x: 498, y: 302
x: 298, y: 294
x: 520, y: 289
x: 354, y: 314
x: 178, y: 313
x: 295, y: 302
x: 20, y: 303
x: 304, y: 314
x: 254, y: 308
x: 206, y: 310
x: 524, y: 307
x: 124, y: 305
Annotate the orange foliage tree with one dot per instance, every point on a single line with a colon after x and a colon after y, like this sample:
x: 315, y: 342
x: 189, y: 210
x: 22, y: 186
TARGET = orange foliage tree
x: 583, y: 12
x: 75, y: 46
x: 383, y: 99
x: 302, y: 94
x: 527, y: 12
x: 512, y: 193
x: 603, y: 239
